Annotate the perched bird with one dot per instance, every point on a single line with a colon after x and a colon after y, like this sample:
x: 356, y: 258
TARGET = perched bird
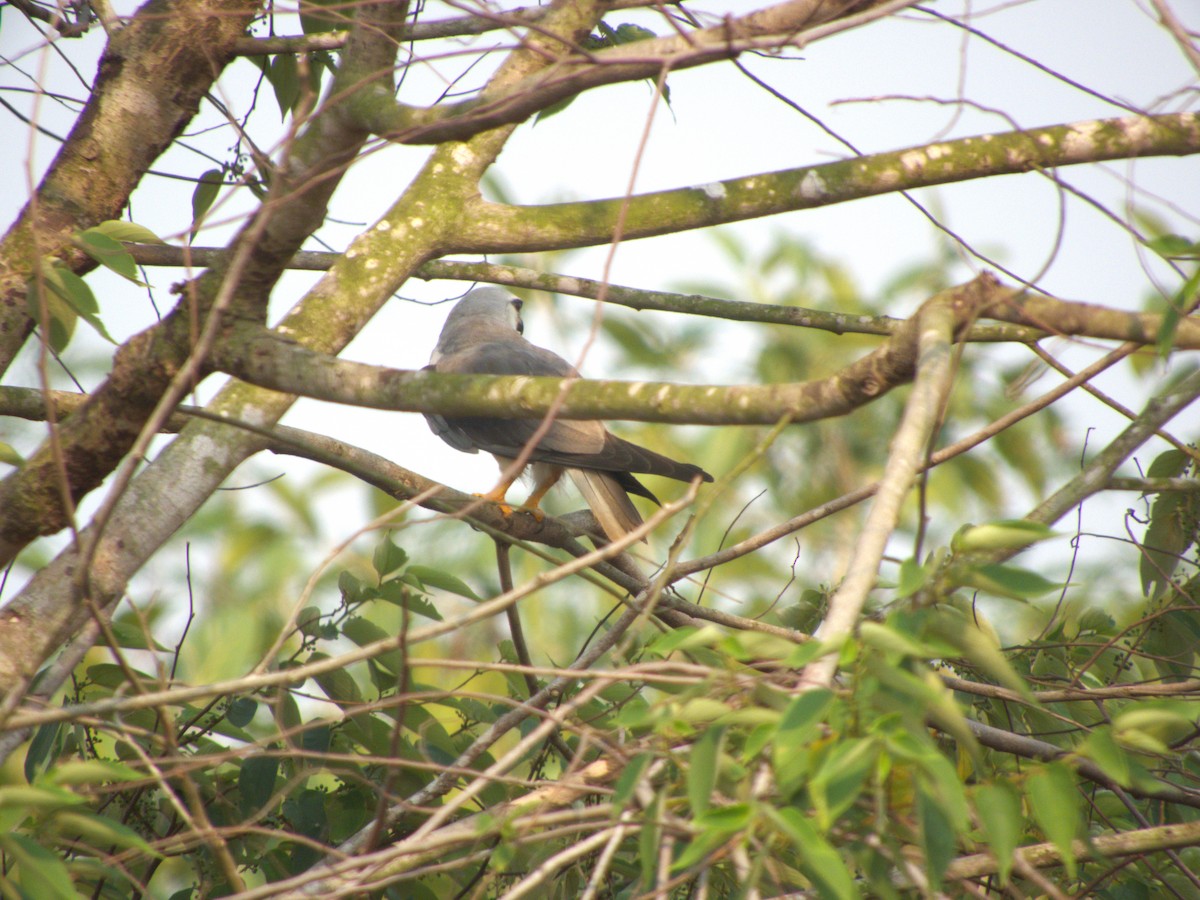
x: 483, y: 336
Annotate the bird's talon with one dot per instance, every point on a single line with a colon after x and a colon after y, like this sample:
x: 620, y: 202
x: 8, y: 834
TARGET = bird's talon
x: 537, y: 514
x: 505, y: 509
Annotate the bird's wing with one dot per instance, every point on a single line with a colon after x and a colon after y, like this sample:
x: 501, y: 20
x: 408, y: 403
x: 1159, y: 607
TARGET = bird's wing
x: 571, y: 443
x: 507, y: 436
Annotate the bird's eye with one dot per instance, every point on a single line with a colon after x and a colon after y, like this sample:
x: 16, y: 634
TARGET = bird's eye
x: 516, y: 316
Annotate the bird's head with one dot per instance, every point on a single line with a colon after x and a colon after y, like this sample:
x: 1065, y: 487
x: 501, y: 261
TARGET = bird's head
x: 489, y: 312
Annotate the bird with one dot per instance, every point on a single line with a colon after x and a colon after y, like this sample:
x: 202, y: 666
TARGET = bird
x: 484, y: 335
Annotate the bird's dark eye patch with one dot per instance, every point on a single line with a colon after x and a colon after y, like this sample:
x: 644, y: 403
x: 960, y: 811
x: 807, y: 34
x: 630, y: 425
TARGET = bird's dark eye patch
x: 517, y: 323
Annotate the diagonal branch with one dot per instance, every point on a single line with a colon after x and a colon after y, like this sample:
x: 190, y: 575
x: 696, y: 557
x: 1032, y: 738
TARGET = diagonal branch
x: 922, y: 414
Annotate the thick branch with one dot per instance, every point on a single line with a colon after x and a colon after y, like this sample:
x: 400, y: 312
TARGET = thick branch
x: 1090, y: 319
x: 263, y: 360
x: 494, y: 228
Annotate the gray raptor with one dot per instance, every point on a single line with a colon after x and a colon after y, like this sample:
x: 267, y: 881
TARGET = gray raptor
x: 483, y: 336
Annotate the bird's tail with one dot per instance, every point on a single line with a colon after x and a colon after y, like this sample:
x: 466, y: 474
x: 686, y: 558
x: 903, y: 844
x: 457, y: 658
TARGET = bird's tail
x: 608, y: 501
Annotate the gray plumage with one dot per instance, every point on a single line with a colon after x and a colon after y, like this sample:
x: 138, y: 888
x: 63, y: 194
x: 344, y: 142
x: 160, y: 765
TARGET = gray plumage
x: 483, y: 336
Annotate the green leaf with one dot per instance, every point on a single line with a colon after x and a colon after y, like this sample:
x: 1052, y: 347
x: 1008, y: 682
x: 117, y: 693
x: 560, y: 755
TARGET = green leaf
x: 704, y: 762
x: 9, y: 456
x: 92, y: 771
x: 443, y: 581
x: 938, y: 839
x: 101, y: 830
x: 352, y: 588
x: 127, y: 232
x: 688, y: 637
x: 913, y: 577
x: 43, y: 750
x: 316, y: 736
x: 727, y: 819
x: 879, y: 636
x: 315, y: 18
x: 628, y: 780
x: 1102, y: 749
x: 1174, y: 246
x: 285, y: 81
x: 1173, y: 314
x: 62, y: 314
x: 554, y: 108
x: 701, y: 710
x: 999, y: 807
x: 1055, y: 803
x: 1006, y: 534
x: 256, y: 782
x: 207, y: 187
x: 704, y: 843
x: 398, y: 593
x: 338, y: 685
x: 818, y: 858
x: 309, y: 621
x: 110, y: 253
x: 241, y: 711
x: 1152, y: 728
x: 840, y: 779
x: 40, y: 873
x: 387, y: 558
x: 981, y: 647
x: 363, y: 632
x: 648, y: 840
x: 75, y: 291
x: 30, y: 797
x: 1007, y: 581
x: 134, y: 636
x: 1174, y: 521
x: 799, y: 725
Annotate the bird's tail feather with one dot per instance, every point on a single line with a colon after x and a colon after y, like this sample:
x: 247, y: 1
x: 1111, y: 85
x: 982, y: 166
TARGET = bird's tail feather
x: 608, y: 502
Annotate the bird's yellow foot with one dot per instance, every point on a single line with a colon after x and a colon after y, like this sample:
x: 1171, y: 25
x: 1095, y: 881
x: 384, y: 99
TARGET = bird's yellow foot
x: 505, y: 509
x: 537, y: 514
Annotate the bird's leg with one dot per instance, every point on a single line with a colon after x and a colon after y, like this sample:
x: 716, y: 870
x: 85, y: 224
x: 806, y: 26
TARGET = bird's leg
x: 547, y: 477
x: 497, y: 494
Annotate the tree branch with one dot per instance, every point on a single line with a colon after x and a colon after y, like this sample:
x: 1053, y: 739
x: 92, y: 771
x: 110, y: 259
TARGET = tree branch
x: 922, y: 415
x: 500, y: 228
x: 1103, y: 846
x: 263, y: 360
x: 1033, y: 316
x: 791, y: 23
x: 154, y: 71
